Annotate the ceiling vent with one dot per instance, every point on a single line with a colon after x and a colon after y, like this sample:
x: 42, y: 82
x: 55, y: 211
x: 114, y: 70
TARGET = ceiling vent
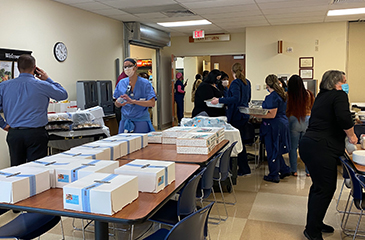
x: 178, y: 13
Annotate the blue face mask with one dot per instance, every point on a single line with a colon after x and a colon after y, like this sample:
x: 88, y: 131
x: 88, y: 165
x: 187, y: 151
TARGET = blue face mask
x: 345, y: 88
x: 267, y: 89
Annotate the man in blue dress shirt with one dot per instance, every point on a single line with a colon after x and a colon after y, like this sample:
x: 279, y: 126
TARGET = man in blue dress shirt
x: 24, y: 101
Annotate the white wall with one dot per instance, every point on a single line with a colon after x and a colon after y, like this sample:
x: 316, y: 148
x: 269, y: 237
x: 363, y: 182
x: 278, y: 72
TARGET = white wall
x: 262, y: 57
x: 93, y: 43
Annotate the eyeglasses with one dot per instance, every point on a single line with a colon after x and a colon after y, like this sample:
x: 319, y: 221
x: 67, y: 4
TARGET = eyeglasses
x: 130, y: 66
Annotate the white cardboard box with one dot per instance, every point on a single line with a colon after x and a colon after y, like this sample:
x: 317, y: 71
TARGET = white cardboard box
x: 19, y: 183
x: 71, y: 173
x: 108, y: 150
x: 144, y: 137
x: 121, y: 146
x: 135, y: 141
x: 217, y: 130
x: 194, y: 150
x: 175, y: 131
x: 100, y: 193
x: 197, y: 140
x: 154, y: 137
x: 150, y: 179
x: 52, y: 163
x: 88, y: 153
x: 168, y: 140
x: 169, y: 167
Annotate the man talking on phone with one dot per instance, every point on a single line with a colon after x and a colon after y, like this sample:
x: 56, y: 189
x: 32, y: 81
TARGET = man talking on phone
x: 24, y: 101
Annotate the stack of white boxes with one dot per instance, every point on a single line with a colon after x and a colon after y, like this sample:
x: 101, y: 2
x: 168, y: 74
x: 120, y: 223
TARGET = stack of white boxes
x: 169, y: 135
x: 155, y: 137
x: 219, y: 132
x: 196, y: 143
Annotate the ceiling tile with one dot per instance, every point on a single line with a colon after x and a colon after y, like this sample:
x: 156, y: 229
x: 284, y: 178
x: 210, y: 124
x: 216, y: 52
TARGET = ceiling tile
x: 90, y: 6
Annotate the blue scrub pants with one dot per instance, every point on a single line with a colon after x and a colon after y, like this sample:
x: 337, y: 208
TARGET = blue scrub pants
x: 276, y: 163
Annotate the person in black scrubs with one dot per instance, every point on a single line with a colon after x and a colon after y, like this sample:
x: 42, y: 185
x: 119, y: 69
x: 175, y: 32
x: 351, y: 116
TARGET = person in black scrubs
x: 323, y: 144
x: 179, y: 95
x: 208, y: 90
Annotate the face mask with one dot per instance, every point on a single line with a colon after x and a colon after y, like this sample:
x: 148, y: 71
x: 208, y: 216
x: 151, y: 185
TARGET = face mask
x: 225, y: 83
x: 267, y: 89
x: 345, y: 88
x: 129, y: 72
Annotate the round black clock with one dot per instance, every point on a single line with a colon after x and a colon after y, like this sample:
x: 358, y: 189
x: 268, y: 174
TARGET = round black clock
x: 60, y: 51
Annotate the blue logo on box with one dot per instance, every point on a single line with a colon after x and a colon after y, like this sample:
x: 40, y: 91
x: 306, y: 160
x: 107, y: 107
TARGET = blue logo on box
x: 160, y: 180
x: 63, y: 178
x: 72, y: 199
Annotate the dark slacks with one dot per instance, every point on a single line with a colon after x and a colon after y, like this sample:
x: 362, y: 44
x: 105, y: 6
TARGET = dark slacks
x: 26, y: 144
x: 179, y: 99
x: 242, y: 162
x: 322, y: 165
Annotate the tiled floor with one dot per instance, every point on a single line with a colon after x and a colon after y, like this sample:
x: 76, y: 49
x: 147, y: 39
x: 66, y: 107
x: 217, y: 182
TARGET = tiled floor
x: 263, y: 211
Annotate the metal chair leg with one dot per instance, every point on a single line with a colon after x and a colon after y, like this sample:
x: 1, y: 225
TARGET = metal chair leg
x: 224, y: 202
x: 339, y: 197
x: 62, y: 230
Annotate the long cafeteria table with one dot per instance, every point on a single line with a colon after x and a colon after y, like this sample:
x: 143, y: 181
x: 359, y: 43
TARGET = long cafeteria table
x: 51, y: 202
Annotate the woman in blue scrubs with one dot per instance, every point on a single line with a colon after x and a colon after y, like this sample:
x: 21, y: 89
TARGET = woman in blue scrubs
x: 135, y: 95
x: 238, y: 94
x: 275, y: 130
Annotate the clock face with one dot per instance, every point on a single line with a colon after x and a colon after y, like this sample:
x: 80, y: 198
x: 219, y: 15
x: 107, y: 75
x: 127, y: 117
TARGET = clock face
x: 60, y: 51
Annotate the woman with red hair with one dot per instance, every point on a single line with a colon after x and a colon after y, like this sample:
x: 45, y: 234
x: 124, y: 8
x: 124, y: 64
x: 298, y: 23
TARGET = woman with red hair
x: 300, y: 102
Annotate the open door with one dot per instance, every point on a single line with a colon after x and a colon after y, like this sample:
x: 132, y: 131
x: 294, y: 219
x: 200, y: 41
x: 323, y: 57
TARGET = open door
x: 173, y: 70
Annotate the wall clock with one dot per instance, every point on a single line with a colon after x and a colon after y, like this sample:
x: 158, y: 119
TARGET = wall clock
x: 60, y: 51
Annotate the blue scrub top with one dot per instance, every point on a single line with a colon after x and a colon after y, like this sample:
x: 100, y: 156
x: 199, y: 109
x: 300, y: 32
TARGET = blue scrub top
x: 275, y: 130
x: 142, y: 91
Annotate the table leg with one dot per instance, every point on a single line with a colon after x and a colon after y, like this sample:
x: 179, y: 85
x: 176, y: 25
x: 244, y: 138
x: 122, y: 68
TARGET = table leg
x: 101, y: 230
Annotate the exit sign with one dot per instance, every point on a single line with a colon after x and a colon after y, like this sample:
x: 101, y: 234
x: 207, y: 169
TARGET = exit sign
x: 198, y: 34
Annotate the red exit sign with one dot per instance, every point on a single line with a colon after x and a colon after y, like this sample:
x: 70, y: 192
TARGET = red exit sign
x: 198, y: 34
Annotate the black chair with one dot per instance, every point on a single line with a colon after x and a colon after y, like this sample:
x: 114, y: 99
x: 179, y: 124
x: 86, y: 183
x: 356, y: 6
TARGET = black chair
x: 29, y: 226
x: 205, y: 186
x: 192, y: 227
x: 173, y: 211
x: 347, y: 183
x: 222, y: 172
x: 357, y: 198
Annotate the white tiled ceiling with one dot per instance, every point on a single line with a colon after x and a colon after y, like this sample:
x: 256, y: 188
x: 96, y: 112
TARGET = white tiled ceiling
x: 227, y: 16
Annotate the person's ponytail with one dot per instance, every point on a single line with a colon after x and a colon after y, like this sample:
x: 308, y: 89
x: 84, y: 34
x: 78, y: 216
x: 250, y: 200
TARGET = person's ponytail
x: 273, y: 82
x: 237, y: 69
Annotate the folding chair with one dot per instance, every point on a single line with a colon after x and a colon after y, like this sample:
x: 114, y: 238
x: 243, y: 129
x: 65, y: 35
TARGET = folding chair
x: 205, y: 186
x: 29, y: 226
x: 192, y: 227
x: 173, y: 211
x: 221, y: 173
x: 357, y: 199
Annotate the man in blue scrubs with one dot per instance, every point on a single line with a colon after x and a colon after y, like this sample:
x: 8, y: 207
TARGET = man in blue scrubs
x: 24, y: 101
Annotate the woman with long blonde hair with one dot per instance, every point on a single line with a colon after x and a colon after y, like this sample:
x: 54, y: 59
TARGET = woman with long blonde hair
x: 239, y: 94
x: 275, y: 130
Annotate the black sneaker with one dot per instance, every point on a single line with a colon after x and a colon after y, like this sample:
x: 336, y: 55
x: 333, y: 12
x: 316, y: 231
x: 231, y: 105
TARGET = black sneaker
x: 271, y: 179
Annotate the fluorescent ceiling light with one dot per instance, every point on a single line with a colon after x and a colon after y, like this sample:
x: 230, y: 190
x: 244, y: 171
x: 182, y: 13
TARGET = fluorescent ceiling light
x: 350, y: 11
x: 185, y: 23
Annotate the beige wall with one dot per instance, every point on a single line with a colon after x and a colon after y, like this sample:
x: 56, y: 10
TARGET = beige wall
x: 356, y: 62
x: 93, y: 43
x: 262, y: 57
x: 191, y: 68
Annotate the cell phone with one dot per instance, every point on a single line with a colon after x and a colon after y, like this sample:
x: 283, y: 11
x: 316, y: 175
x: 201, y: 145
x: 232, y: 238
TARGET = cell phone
x: 35, y: 71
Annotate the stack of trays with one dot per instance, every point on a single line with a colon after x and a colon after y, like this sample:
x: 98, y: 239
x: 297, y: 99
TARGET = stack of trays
x: 169, y: 135
x: 196, y: 143
x: 155, y: 137
x: 219, y: 132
